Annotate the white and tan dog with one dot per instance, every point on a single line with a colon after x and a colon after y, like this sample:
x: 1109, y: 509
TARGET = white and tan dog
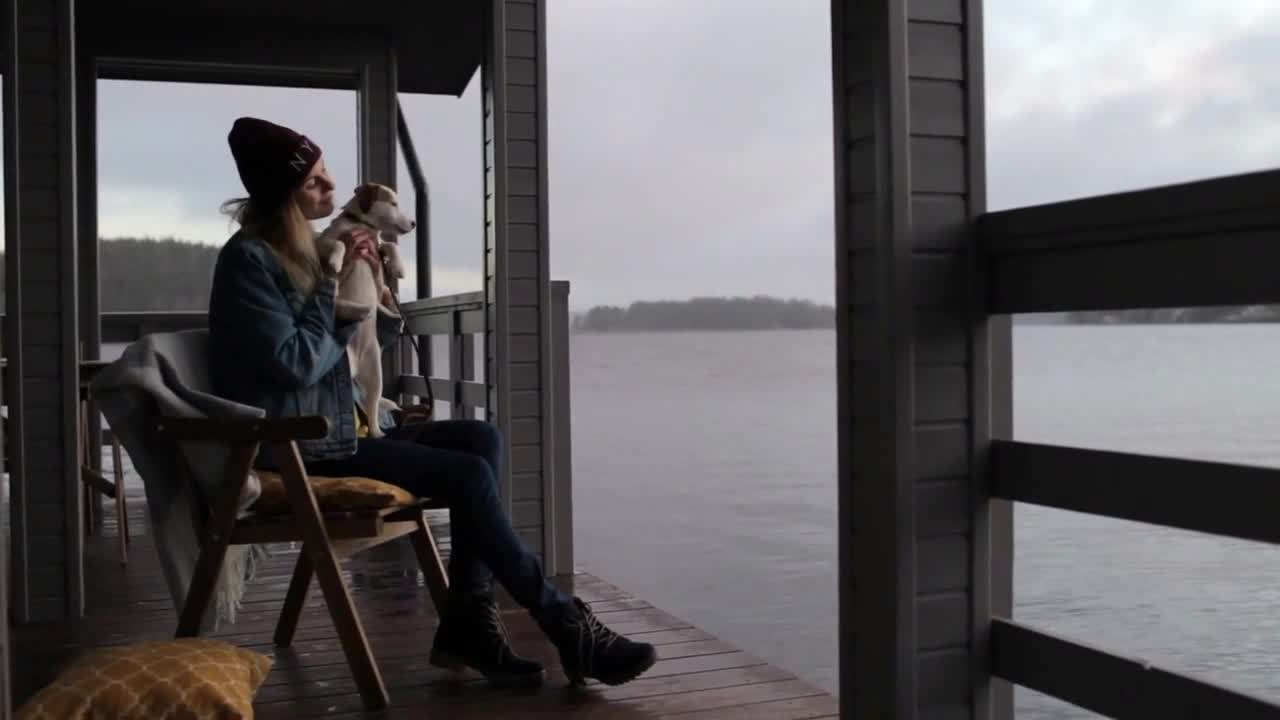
x: 360, y: 295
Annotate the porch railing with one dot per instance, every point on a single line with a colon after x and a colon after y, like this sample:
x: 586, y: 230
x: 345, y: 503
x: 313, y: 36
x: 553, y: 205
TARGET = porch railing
x: 125, y: 327
x: 458, y: 321
x: 451, y: 329
x: 1196, y: 244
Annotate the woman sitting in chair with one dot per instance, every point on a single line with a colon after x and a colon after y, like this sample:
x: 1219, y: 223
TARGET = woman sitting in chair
x: 275, y: 344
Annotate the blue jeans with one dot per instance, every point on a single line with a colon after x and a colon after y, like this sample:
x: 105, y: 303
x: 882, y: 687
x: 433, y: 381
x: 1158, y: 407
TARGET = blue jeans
x: 458, y: 462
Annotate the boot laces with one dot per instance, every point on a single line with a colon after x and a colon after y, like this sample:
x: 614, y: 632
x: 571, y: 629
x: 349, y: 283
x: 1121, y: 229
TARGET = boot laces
x: 593, y: 637
x: 494, y: 629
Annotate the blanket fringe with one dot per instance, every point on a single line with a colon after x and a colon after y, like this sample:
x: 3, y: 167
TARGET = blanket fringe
x: 239, y: 568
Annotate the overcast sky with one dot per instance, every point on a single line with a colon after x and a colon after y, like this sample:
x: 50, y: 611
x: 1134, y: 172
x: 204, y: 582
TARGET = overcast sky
x: 691, y: 141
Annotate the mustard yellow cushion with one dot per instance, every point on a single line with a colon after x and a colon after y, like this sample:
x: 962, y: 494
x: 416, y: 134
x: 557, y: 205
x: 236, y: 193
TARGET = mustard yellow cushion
x: 334, y: 494
x: 190, y: 678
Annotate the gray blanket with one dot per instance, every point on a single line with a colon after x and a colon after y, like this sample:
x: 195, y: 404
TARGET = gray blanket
x: 166, y: 375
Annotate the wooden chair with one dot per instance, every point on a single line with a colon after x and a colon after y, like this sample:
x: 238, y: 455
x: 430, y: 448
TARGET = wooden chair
x: 327, y: 537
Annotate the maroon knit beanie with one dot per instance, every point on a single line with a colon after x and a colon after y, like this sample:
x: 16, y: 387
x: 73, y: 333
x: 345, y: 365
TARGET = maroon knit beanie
x: 273, y: 160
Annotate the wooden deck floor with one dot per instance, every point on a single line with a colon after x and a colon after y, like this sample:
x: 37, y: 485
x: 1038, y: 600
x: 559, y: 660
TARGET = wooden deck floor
x: 697, y: 676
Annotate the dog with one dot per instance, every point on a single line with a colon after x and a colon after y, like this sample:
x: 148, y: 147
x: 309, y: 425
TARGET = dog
x: 361, y: 294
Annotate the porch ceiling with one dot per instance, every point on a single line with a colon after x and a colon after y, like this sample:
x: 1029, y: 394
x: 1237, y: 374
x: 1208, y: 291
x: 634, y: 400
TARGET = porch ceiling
x: 437, y: 42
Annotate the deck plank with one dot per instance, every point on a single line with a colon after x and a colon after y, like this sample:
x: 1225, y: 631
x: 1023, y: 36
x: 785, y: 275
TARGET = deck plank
x: 697, y: 676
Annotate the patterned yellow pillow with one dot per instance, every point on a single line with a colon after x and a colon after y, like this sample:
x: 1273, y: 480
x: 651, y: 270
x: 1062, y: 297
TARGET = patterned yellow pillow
x: 333, y: 494
x: 190, y: 678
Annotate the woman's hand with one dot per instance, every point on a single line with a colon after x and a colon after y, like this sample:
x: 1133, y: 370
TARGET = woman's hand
x: 361, y: 244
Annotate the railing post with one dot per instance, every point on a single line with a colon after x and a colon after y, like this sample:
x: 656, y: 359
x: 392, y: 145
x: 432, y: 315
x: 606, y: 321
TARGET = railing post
x: 466, y: 371
x: 457, y: 358
x: 557, y: 504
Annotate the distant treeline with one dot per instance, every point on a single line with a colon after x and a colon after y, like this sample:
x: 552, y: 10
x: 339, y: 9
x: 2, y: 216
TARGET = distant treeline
x: 708, y: 313
x: 1218, y: 314
x: 151, y: 274
x: 171, y: 274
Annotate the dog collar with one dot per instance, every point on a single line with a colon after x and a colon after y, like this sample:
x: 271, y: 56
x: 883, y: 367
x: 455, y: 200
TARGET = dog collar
x: 356, y: 218
x: 350, y: 215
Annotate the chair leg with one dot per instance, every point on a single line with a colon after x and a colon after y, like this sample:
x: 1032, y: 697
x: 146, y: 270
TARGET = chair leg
x: 87, y: 513
x: 433, y: 572
x: 295, y: 599
x: 347, y: 624
x: 214, y: 546
x: 316, y: 543
x: 87, y: 492
x: 122, y: 511
x: 203, y: 583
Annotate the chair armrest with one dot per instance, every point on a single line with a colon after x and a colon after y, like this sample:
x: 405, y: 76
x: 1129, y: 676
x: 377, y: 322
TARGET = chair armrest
x: 412, y: 414
x: 311, y: 427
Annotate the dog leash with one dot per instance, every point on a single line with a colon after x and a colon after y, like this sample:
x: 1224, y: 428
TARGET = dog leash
x: 404, y: 333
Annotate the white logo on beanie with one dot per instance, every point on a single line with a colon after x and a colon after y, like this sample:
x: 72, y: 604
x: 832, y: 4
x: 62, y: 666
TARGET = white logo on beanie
x: 298, y: 162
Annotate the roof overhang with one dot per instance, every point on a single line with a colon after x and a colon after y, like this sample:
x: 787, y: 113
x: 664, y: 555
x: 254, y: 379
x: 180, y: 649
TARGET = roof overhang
x: 318, y: 43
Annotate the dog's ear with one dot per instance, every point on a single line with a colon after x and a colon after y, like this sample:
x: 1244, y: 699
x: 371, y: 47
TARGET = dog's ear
x: 365, y: 196
x: 387, y: 195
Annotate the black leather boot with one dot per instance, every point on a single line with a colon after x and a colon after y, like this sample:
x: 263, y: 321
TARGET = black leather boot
x: 472, y: 635
x: 588, y: 649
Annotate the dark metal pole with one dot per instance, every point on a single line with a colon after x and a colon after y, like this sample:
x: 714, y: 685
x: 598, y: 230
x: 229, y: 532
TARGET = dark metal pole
x: 422, y: 206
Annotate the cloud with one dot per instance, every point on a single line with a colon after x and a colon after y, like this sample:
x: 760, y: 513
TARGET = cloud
x: 1127, y: 96
x: 444, y: 280
x: 165, y: 167
x: 696, y: 165
x: 690, y: 142
x: 145, y: 211
x: 691, y: 154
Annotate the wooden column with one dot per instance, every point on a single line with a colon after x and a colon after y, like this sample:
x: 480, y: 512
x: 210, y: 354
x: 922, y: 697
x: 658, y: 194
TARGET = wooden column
x: 923, y: 560
x: 377, y: 102
x: 517, y: 281
x: 15, y: 434
x: 378, y: 148
x: 49, y: 542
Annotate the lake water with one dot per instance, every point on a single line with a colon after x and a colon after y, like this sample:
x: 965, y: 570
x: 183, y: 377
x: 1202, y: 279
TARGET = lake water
x: 704, y: 481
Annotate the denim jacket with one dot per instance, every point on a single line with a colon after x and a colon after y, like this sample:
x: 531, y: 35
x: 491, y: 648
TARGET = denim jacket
x: 272, y: 348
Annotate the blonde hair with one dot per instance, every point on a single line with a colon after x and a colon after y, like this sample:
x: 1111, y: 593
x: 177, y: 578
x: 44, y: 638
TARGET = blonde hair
x: 287, y: 232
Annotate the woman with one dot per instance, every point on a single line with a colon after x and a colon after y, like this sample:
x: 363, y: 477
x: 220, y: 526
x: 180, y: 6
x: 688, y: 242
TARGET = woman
x: 275, y: 344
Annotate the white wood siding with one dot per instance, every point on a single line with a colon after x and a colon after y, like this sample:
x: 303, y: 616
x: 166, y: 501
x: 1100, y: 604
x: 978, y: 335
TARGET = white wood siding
x: 517, y: 286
